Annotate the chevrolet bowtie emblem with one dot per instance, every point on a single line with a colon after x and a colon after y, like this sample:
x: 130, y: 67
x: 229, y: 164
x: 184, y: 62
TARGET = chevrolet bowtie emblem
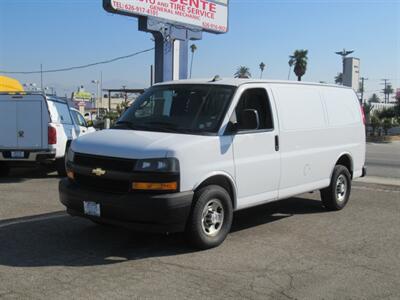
x: 98, y: 172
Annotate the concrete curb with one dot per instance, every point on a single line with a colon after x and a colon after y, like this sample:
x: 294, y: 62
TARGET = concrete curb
x: 379, y: 180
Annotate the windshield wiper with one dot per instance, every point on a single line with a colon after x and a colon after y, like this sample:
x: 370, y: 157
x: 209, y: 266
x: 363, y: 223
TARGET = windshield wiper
x: 128, y: 124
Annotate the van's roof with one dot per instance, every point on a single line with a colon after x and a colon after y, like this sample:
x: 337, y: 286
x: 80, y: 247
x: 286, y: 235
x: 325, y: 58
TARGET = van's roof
x: 241, y: 81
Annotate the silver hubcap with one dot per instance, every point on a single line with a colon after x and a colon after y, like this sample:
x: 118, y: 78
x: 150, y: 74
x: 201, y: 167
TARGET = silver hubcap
x: 212, y: 217
x: 341, y: 188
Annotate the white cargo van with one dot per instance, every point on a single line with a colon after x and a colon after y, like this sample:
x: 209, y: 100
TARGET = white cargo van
x: 35, y: 128
x: 187, y: 154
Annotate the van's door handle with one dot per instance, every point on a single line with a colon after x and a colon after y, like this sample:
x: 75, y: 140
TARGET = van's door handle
x: 276, y: 143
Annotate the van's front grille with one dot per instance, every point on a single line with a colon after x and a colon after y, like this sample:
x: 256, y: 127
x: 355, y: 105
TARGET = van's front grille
x: 103, y: 184
x: 104, y: 162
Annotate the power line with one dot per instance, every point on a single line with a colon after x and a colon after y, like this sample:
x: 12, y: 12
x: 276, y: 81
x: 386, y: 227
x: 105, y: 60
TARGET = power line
x: 78, y: 67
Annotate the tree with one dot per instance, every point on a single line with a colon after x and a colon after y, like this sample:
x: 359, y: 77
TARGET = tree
x: 386, y: 125
x: 339, y: 78
x: 242, y: 72
x: 386, y: 113
x: 299, y: 60
x: 367, y: 110
x: 387, y: 91
x: 374, y: 99
x: 397, y: 107
x: 193, y: 49
x: 375, y: 124
x: 262, y: 67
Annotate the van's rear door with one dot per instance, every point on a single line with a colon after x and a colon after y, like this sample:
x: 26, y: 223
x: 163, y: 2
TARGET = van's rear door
x: 8, y: 125
x: 29, y: 124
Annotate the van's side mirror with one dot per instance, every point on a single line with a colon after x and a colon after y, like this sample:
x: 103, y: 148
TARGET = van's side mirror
x: 231, y: 128
x: 249, y: 120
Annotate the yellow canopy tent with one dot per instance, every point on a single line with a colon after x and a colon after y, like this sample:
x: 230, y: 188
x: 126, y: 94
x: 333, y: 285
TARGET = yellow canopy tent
x: 8, y: 84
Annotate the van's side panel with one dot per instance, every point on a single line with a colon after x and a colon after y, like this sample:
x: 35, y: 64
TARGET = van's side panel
x: 304, y: 144
x: 345, y: 125
x: 318, y: 125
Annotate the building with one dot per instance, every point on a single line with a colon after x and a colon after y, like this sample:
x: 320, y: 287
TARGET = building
x: 351, y: 73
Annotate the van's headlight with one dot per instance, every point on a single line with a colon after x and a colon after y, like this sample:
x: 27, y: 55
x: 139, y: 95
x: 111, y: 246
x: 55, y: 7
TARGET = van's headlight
x: 70, y: 155
x: 168, y: 165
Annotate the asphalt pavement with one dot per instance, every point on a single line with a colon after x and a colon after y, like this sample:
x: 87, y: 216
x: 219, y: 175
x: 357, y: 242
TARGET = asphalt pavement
x: 383, y: 159
x: 291, y: 249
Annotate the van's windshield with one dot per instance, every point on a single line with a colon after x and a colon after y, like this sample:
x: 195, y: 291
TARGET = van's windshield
x: 185, y: 108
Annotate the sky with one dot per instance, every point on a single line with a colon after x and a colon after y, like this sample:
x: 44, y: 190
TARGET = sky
x: 64, y: 33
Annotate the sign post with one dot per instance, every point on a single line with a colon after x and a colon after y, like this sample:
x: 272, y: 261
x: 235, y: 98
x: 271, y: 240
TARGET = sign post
x: 173, y: 23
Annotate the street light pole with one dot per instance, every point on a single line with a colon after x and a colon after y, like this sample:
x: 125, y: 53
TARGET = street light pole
x: 97, y: 82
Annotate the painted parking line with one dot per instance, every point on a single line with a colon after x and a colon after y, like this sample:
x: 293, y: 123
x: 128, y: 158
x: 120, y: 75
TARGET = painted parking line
x: 29, y: 219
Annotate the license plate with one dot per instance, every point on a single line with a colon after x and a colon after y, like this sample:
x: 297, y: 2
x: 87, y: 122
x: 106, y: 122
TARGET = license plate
x: 91, y: 208
x: 17, y: 154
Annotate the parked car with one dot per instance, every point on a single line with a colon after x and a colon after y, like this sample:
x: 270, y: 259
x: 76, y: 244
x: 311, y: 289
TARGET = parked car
x: 36, y: 129
x: 187, y: 154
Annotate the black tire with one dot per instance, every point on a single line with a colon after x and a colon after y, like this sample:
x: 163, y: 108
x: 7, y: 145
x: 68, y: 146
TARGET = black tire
x: 336, y: 196
x: 4, y: 170
x: 60, y: 167
x: 61, y: 163
x: 205, y: 235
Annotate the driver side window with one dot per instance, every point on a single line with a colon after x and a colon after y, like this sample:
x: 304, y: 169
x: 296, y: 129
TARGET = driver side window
x: 254, y: 99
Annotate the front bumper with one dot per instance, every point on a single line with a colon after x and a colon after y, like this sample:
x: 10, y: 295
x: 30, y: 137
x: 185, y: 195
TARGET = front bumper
x: 143, y: 212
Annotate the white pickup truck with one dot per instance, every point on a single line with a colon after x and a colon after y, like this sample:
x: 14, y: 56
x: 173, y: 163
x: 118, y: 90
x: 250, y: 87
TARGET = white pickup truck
x: 36, y: 129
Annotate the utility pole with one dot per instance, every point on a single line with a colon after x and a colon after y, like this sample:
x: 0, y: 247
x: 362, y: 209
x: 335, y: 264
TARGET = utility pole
x: 385, y: 82
x: 362, y: 89
x: 41, y: 77
x: 101, y: 91
x: 151, y: 75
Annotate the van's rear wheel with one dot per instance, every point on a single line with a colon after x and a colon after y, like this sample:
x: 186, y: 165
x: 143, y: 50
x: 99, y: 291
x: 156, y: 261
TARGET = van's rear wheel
x: 336, y: 196
x: 4, y: 170
x: 211, y: 217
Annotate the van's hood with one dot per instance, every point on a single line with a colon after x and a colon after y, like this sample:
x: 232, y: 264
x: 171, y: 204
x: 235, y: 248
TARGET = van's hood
x: 130, y: 143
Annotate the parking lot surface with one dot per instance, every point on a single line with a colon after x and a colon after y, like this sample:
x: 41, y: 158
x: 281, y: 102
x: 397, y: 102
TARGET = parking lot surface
x: 290, y: 249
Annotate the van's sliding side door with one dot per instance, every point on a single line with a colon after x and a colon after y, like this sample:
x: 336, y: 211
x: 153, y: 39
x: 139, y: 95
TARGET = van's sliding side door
x: 256, y: 152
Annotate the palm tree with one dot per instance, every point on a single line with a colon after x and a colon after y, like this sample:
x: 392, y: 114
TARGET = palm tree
x: 262, y: 67
x: 374, y: 99
x: 193, y: 49
x: 299, y: 60
x: 387, y: 91
x: 339, y: 78
x: 243, y: 72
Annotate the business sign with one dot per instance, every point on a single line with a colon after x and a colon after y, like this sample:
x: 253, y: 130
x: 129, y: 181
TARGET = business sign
x: 209, y: 15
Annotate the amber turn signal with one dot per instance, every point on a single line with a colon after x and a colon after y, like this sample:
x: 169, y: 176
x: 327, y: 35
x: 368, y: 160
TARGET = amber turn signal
x: 155, y: 186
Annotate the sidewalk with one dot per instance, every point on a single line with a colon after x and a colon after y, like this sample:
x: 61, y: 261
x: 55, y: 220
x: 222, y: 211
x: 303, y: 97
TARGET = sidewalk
x: 379, y: 180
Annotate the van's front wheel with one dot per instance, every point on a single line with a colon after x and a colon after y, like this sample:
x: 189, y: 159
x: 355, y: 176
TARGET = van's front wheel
x: 211, y: 217
x: 336, y: 196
